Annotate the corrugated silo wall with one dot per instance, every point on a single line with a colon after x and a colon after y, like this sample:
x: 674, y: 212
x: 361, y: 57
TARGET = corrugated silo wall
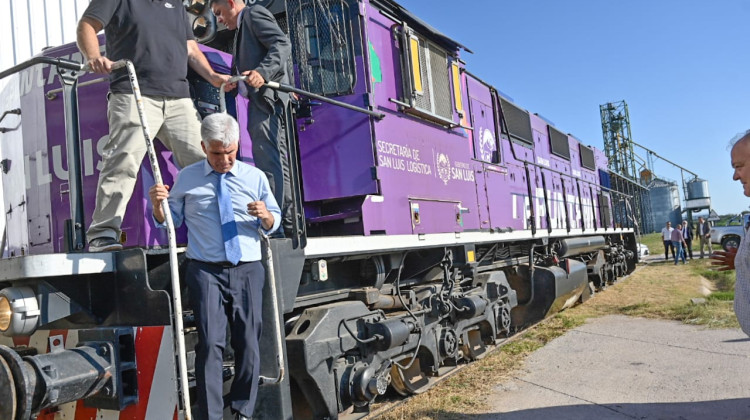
x: 665, y: 203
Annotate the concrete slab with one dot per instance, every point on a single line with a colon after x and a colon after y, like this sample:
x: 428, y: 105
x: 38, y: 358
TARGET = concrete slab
x: 618, y: 367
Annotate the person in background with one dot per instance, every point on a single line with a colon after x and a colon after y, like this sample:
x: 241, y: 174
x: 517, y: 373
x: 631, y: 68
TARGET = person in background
x: 157, y: 37
x: 678, y: 242
x: 734, y: 258
x: 704, y: 235
x: 687, y: 234
x: 224, y: 203
x: 261, y: 52
x: 666, y: 236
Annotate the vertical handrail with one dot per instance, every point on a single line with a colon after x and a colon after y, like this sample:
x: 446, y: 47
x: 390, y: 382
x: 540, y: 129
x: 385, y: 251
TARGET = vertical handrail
x: 76, y: 241
x: 176, y: 292
x: 269, y: 269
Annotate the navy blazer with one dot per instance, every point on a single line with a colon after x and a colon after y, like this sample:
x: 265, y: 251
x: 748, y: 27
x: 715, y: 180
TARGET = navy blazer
x: 689, y: 236
x: 262, y: 46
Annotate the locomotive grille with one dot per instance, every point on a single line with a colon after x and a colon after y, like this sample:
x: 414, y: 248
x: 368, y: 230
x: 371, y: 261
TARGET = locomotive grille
x: 519, y: 122
x: 441, y: 85
x: 587, y: 157
x: 559, y: 143
x: 321, y: 36
x: 435, y: 97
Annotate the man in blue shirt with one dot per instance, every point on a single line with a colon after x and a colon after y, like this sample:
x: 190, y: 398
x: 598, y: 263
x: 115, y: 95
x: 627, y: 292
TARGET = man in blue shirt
x: 224, y: 203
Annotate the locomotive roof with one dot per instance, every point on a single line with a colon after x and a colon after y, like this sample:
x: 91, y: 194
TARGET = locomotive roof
x: 399, y: 11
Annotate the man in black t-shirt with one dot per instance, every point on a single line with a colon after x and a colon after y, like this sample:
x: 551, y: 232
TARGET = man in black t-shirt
x: 157, y: 37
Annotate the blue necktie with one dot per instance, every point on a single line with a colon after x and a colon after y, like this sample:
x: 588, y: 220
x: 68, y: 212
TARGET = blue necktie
x: 228, y: 225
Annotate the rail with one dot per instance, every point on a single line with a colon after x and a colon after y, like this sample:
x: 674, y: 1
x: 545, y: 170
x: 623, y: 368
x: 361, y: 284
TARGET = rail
x: 174, y: 265
x: 290, y: 89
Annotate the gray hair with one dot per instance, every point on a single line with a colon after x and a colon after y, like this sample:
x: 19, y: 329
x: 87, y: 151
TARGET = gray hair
x: 220, y: 127
x: 739, y: 137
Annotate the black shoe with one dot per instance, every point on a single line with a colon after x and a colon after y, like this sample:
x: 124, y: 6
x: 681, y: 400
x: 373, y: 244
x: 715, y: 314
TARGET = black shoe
x: 238, y: 416
x: 104, y: 245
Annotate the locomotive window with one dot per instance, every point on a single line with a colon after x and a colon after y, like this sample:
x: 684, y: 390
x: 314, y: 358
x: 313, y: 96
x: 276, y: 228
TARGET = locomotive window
x: 427, y: 79
x: 518, y: 121
x: 587, y: 157
x: 559, y: 144
x: 322, y: 45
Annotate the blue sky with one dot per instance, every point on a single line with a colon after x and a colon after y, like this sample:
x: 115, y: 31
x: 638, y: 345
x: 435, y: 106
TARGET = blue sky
x: 682, y: 67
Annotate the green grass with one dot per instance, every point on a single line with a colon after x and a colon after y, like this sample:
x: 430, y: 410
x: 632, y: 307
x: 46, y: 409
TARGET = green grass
x: 653, y: 242
x: 659, y: 290
x: 722, y: 280
x: 725, y: 296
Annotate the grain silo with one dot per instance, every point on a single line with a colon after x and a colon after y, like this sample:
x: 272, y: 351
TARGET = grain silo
x: 665, y: 203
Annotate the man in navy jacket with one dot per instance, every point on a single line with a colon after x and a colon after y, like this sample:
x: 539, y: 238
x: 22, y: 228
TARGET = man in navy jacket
x: 261, y: 52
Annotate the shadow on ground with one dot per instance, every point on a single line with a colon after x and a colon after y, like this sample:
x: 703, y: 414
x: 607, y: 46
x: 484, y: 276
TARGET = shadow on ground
x: 731, y: 409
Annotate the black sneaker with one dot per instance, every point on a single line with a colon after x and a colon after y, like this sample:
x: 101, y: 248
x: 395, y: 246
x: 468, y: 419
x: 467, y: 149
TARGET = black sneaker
x: 104, y: 245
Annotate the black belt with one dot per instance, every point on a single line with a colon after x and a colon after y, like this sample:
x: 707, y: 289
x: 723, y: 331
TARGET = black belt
x: 222, y: 264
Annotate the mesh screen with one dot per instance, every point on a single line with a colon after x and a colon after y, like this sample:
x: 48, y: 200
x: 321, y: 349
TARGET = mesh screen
x: 436, y: 90
x: 322, y: 47
x: 587, y: 157
x: 441, y: 89
x: 559, y: 143
x: 518, y: 121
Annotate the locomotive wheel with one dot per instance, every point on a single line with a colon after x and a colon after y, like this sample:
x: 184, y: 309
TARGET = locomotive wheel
x: 473, y: 345
x: 7, y: 392
x: 602, y: 283
x: 410, y: 381
x: 504, y: 320
x: 21, y: 377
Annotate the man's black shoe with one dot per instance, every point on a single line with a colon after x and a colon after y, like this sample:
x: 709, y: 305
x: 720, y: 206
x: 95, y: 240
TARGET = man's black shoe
x: 104, y: 245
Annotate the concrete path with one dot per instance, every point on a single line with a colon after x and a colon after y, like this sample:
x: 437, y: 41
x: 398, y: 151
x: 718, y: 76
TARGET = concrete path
x: 618, y: 367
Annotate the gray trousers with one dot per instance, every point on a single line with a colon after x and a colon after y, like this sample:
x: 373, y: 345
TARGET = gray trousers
x: 706, y: 241
x: 271, y: 154
x: 177, y: 125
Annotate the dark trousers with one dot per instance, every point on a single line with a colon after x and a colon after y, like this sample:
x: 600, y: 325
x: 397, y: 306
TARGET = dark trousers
x: 667, y: 246
x: 689, y: 243
x: 271, y: 155
x: 221, y: 296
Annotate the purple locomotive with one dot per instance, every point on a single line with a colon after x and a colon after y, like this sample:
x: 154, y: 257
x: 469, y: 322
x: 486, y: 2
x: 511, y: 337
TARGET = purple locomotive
x: 431, y: 226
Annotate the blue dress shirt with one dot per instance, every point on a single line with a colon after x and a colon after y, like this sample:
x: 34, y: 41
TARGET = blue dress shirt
x: 193, y: 199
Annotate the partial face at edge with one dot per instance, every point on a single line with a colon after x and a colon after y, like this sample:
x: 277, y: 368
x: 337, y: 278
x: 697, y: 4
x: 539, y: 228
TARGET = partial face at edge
x: 741, y: 164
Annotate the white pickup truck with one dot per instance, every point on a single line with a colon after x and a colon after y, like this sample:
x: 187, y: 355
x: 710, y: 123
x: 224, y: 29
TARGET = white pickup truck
x: 730, y: 235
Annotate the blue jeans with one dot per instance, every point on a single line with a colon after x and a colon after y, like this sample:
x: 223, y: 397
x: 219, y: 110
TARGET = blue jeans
x: 678, y: 253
